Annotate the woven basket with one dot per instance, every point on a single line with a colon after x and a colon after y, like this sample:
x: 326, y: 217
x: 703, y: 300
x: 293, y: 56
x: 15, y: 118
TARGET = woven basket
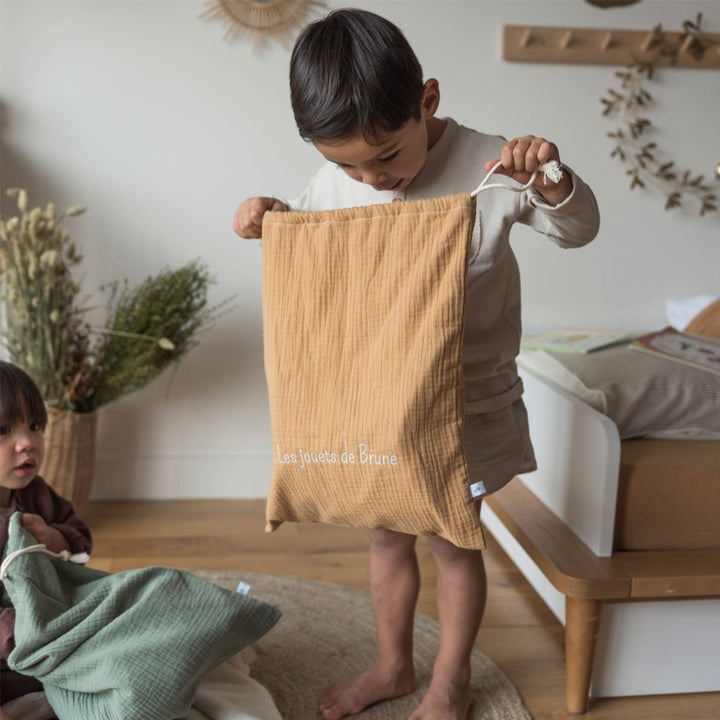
x: 70, y: 455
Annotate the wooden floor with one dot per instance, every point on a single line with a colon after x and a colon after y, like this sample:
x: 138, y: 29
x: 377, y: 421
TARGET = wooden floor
x: 518, y: 632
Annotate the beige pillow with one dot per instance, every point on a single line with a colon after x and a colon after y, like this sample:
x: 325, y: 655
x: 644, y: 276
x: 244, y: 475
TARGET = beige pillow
x: 644, y: 395
x: 363, y: 320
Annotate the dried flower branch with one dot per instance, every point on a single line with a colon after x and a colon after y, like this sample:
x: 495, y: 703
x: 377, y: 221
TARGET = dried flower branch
x: 626, y: 104
x: 169, y: 310
x: 76, y: 366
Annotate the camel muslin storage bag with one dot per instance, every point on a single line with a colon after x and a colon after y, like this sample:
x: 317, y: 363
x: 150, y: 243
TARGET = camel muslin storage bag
x: 363, y: 314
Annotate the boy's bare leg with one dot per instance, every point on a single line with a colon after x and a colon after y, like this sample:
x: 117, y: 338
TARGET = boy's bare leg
x: 394, y: 586
x: 461, y: 593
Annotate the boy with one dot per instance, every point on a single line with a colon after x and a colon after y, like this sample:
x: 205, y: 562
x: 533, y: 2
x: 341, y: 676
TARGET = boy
x: 49, y: 518
x: 358, y: 95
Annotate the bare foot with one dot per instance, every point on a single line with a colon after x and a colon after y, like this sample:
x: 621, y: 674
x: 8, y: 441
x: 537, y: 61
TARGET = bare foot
x: 446, y: 699
x: 371, y: 686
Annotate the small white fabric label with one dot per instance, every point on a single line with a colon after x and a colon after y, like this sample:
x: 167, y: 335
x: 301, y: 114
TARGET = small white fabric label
x: 478, y: 489
x: 243, y: 588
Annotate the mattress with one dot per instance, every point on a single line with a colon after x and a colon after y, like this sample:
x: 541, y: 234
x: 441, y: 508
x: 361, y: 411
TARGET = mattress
x: 668, y: 495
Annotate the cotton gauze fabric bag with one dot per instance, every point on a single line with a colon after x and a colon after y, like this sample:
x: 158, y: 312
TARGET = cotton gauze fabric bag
x: 363, y: 318
x: 127, y: 646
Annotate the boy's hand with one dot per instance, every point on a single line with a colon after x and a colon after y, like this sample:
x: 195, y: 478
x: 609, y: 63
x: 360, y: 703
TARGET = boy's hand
x: 50, y: 537
x: 249, y: 216
x: 522, y: 156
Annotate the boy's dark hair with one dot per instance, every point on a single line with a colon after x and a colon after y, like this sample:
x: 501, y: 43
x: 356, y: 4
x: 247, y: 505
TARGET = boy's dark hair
x: 353, y: 72
x: 20, y: 398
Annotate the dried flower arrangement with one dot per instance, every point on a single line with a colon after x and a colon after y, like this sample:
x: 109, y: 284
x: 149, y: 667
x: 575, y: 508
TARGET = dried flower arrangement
x: 77, y: 366
x: 640, y: 156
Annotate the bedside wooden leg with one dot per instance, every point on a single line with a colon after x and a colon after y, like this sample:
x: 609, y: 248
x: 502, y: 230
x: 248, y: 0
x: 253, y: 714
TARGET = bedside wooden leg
x: 581, y: 626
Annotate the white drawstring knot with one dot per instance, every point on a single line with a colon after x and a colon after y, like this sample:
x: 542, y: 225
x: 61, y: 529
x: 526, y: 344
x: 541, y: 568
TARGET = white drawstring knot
x: 65, y: 555
x: 551, y: 169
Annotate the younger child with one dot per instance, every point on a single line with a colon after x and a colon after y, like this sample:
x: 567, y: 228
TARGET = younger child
x: 358, y: 95
x: 49, y: 518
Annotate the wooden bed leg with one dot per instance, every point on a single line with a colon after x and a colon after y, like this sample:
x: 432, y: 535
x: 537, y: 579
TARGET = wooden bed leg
x: 581, y: 626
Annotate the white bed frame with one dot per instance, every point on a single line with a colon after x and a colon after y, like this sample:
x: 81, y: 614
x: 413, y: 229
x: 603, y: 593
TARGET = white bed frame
x: 656, y: 615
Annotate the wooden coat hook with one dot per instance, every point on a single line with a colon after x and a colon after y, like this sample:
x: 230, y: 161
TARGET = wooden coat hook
x: 535, y: 43
x: 608, y: 40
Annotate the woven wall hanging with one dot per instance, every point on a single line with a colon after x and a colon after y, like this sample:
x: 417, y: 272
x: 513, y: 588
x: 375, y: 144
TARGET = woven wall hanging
x: 262, y: 21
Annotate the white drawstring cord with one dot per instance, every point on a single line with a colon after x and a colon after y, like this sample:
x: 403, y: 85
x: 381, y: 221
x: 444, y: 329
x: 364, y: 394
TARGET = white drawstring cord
x: 552, y: 170
x: 66, y: 555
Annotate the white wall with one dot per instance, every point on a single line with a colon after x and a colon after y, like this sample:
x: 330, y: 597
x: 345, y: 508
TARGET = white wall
x: 139, y: 110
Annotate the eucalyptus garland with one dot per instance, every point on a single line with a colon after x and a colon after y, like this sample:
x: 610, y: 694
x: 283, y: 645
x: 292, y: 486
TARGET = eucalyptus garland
x: 644, y: 167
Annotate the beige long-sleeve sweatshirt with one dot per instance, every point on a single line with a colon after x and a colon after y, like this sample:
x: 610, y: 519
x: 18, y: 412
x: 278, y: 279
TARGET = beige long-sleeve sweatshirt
x: 456, y: 164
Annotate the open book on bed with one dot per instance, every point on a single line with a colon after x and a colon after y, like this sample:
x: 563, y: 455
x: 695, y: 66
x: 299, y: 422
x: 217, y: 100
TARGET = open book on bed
x: 569, y: 340
x: 695, y: 350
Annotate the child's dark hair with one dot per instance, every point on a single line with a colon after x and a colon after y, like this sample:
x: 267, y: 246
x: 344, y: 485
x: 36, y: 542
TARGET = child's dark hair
x: 353, y: 72
x: 20, y: 398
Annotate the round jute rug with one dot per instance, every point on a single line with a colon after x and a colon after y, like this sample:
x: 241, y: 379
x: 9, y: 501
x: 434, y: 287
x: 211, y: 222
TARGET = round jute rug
x: 327, y: 634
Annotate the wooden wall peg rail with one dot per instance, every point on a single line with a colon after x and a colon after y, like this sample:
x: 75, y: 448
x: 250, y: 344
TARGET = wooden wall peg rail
x: 535, y: 43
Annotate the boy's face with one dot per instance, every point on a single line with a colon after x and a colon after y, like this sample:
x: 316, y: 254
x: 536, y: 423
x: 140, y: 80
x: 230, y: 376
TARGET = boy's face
x: 22, y: 450
x: 391, y: 165
x: 397, y: 158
